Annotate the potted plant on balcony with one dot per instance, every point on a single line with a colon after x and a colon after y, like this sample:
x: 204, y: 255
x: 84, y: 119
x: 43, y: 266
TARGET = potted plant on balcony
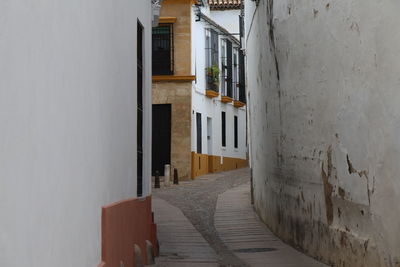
x: 213, y: 77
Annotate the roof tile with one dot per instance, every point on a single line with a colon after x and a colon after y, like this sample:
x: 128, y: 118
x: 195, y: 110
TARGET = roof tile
x: 224, y: 4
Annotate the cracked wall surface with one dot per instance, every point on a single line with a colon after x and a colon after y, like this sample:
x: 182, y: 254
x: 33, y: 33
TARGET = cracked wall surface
x: 323, y: 91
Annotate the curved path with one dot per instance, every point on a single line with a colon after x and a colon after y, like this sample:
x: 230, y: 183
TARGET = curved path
x: 210, y: 222
x: 243, y: 233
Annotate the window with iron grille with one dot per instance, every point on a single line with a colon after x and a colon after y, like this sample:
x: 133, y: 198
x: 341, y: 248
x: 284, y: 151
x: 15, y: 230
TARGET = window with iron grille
x: 163, y: 50
x: 224, y: 68
x: 235, y: 78
x: 229, y: 68
x: 226, y: 65
x: 242, y: 77
x: 212, y: 70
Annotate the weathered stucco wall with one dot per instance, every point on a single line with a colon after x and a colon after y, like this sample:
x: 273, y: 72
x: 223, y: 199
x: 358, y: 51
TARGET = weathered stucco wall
x: 178, y: 94
x: 323, y: 80
x: 181, y: 9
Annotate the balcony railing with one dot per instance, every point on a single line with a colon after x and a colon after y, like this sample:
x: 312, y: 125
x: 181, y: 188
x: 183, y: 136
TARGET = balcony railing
x: 212, y: 78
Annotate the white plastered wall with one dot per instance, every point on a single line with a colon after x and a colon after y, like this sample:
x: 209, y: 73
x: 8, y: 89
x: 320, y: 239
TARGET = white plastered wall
x: 228, y: 19
x: 68, y: 124
x: 213, y: 107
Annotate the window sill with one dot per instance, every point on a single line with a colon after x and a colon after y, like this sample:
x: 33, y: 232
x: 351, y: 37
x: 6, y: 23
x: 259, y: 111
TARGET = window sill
x: 211, y: 93
x: 167, y: 20
x: 238, y: 104
x: 173, y: 78
x: 226, y: 99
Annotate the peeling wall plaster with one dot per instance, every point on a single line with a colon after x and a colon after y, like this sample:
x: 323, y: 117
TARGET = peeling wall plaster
x: 324, y: 113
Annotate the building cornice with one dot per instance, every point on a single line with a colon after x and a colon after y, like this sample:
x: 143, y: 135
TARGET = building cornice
x: 167, y: 19
x: 173, y: 78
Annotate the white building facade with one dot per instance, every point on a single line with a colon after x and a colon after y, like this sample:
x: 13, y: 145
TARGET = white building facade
x: 75, y: 114
x: 218, y: 101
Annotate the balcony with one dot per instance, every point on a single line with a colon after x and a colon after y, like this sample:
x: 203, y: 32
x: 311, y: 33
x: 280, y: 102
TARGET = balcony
x: 212, y: 80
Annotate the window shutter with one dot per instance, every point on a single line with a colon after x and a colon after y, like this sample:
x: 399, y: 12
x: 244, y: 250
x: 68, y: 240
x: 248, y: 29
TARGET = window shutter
x: 214, y: 47
x: 229, y: 67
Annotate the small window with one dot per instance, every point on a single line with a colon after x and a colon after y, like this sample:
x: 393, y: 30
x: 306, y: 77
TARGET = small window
x: 235, y: 123
x: 163, y: 52
x: 223, y: 127
x: 199, y: 133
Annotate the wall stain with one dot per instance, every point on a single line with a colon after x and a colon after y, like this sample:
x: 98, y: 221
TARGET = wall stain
x: 354, y: 26
x: 362, y: 173
x: 327, y: 6
x: 342, y: 193
x: 315, y: 11
x: 270, y: 16
x: 328, y: 188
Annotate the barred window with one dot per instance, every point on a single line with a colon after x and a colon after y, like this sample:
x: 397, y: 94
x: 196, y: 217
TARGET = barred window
x: 163, y: 52
x: 235, y: 79
x: 212, y: 63
x: 224, y: 68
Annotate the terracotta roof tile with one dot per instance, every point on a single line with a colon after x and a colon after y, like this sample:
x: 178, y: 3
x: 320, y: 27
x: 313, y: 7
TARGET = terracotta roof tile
x: 224, y: 4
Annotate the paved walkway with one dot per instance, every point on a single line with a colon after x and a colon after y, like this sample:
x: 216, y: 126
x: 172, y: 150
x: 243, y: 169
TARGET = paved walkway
x: 180, y: 243
x: 242, y: 231
x: 210, y: 222
x: 197, y: 200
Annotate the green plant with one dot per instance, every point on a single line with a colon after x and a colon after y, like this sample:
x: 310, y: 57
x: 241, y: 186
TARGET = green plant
x: 213, y: 74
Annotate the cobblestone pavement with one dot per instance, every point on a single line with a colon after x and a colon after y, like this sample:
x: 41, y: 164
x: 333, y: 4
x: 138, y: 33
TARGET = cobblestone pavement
x: 197, y: 200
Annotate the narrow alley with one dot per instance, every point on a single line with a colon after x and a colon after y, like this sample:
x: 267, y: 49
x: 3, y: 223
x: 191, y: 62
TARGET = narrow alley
x: 277, y: 122
x: 210, y: 222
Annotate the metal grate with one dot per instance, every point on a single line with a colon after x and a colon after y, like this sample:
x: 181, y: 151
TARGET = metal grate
x: 242, y: 78
x: 229, y: 68
x: 211, y: 58
x: 163, y: 52
x: 254, y: 250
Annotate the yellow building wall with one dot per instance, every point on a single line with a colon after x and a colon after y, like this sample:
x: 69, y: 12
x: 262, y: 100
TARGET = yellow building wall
x: 181, y: 9
x: 178, y: 94
x: 176, y: 89
x: 203, y: 164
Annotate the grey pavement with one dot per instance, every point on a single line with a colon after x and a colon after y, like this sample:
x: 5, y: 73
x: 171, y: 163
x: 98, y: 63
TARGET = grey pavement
x: 211, y: 222
x: 241, y: 230
x: 197, y: 200
x: 180, y: 243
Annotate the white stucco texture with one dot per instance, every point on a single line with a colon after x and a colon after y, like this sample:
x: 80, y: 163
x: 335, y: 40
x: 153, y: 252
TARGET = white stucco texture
x: 68, y: 124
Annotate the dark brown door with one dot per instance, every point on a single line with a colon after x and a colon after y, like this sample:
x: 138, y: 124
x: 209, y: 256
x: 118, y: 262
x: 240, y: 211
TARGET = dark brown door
x: 161, y: 147
x: 199, y: 131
